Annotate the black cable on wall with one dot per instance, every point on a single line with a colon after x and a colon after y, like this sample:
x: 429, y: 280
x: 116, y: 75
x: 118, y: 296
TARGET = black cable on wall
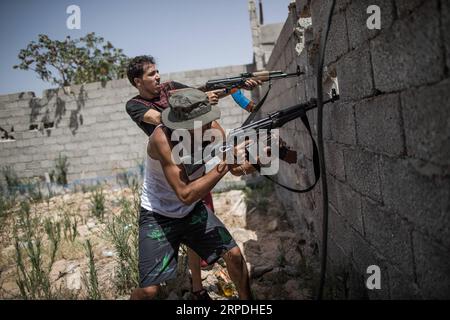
x: 323, y: 262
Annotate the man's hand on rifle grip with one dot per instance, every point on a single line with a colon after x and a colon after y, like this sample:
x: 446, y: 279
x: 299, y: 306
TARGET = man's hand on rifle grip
x: 251, y: 84
x: 213, y: 97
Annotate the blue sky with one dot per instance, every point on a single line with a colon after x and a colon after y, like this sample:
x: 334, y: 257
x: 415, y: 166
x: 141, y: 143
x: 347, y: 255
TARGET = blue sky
x: 181, y: 35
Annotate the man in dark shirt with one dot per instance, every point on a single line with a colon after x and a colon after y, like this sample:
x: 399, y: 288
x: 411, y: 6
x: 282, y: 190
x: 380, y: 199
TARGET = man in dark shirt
x: 145, y: 109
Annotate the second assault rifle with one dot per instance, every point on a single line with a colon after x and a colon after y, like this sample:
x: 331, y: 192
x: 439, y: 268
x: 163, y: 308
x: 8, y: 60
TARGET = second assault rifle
x: 272, y: 121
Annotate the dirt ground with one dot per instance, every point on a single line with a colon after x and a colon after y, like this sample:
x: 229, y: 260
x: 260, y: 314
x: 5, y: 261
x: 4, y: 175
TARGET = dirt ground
x: 254, y: 217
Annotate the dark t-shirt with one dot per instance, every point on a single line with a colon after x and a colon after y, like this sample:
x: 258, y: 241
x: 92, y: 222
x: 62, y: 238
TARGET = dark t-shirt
x: 138, y: 106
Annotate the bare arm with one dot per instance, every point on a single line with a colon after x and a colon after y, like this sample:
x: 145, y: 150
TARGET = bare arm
x: 153, y: 117
x: 187, y: 191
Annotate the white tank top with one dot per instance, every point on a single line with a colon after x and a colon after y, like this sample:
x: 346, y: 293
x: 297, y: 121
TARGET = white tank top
x: 157, y: 194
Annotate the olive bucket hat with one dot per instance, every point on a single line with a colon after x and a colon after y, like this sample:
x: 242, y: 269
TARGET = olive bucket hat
x: 187, y: 106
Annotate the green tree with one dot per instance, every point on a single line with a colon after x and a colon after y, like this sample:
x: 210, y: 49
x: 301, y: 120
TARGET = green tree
x: 73, y: 61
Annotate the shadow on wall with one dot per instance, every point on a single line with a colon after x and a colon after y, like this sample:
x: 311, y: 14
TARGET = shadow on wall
x: 46, y: 113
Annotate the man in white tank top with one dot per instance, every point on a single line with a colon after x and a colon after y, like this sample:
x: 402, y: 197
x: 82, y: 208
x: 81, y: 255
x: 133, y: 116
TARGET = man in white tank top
x: 171, y: 208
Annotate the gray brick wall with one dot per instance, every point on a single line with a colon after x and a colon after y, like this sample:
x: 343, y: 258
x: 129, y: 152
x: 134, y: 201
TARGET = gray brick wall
x: 386, y: 144
x: 91, y: 126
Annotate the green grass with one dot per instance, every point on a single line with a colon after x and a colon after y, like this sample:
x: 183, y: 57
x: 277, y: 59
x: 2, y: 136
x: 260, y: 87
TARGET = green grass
x: 98, y: 203
x: 70, y: 224
x: 123, y: 230
x: 32, y: 274
x: 59, y: 175
x: 91, y: 281
x: 53, y: 230
x: 11, y: 178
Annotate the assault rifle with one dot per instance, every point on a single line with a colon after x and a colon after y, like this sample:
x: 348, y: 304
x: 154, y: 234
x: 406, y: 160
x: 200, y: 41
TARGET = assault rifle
x: 272, y: 121
x: 239, y: 81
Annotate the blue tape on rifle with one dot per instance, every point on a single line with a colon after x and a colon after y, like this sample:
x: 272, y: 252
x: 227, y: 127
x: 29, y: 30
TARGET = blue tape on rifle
x: 240, y: 99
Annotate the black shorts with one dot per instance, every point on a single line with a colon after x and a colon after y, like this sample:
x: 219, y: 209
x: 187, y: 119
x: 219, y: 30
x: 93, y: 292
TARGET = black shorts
x: 160, y: 238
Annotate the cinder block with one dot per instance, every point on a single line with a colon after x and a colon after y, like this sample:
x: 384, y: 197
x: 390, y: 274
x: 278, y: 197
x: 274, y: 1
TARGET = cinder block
x: 285, y: 32
x: 28, y: 174
x: 4, y: 98
x: 410, y: 54
x: 365, y: 255
x: 389, y: 234
x: 120, y: 83
x: 46, y: 164
x: 361, y: 170
x: 24, y: 158
x: 349, y: 205
x: 87, y: 160
x: 378, y: 124
x: 93, y: 86
x: 22, y: 110
x: 339, y: 231
x: 93, y: 94
x: 426, y: 122
x: 337, y: 42
x: 34, y: 166
x: 13, y: 121
x: 300, y: 91
x: 10, y: 105
x: 341, y: 5
x: 334, y: 157
x: 445, y: 26
x: 274, y: 57
x: 101, y: 158
x: 338, y: 259
x: 402, y: 287
x: 433, y: 268
x: 4, y: 152
x: 280, y: 63
x: 302, y: 61
x: 75, y: 160
x: 71, y: 146
x: 56, y: 148
x: 118, y: 133
x: 327, y: 120
x: 406, y: 7
x: 289, y: 52
x: 39, y: 156
x: 357, y: 284
x: 310, y: 87
x: 341, y: 120
x: 354, y: 72
x: 318, y: 11
x: 421, y: 199
x: 356, y: 16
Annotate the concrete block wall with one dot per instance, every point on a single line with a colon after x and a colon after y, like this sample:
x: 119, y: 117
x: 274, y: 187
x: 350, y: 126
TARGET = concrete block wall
x: 88, y: 124
x: 386, y: 143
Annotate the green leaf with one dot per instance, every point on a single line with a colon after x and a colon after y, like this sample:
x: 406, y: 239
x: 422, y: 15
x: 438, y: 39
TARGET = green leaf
x: 82, y: 60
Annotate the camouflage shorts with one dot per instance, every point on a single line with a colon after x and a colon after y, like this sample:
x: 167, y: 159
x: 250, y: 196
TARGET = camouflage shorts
x: 160, y: 238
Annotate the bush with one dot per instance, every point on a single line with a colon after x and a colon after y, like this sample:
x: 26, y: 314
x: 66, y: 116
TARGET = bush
x: 98, y: 203
x: 32, y: 276
x: 91, y: 281
x: 59, y: 175
x: 11, y: 178
x: 123, y: 232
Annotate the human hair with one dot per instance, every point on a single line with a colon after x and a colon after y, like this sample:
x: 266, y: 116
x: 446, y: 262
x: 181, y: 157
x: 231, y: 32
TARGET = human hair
x: 137, y: 65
